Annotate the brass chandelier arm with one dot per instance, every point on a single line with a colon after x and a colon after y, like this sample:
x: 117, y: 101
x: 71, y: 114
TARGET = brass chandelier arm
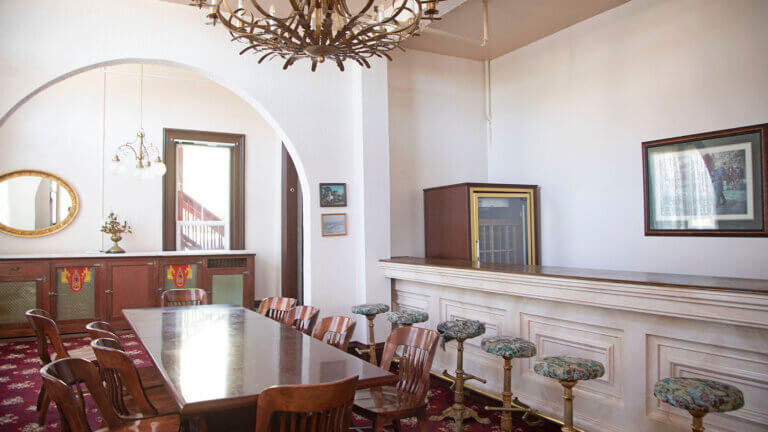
x: 322, y: 29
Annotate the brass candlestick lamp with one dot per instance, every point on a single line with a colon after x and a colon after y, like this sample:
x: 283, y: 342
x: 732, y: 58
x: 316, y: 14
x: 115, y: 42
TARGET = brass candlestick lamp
x: 113, y: 227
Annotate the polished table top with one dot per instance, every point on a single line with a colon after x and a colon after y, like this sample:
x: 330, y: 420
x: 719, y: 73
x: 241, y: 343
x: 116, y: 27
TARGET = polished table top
x: 216, y: 356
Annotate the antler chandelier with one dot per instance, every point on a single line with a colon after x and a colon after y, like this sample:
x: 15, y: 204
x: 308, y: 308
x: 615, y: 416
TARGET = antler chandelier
x: 322, y: 29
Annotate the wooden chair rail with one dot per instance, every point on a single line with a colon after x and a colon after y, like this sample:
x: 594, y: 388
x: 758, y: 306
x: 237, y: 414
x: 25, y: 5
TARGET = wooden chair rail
x: 62, y: 378
x: 276, y: 307
x: 306, y: 408
x: 335, y: 330
x: 302, y: 318
x: 184, y: 297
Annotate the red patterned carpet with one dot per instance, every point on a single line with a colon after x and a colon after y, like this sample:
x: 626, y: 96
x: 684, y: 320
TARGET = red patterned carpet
x: 20, y: 383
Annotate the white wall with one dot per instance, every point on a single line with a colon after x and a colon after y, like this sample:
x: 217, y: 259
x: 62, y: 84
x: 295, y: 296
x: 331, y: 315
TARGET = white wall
x: 80, y: 135
x: 437, y: 136
x: 570, y: 113
x: 313, y: 113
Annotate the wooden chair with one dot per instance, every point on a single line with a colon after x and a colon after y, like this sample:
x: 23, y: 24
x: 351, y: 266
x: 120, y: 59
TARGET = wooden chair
x: 65, y: 377
x: 150, y: 375
x: 184, y: 297
x: 122, y: 379
x: 102, y: 330
x: 46, y: 332
x: 302, y: 318
x: 276, y: 307
x: 335, y: 330
x: 306, y: 408
x: 407, y: 398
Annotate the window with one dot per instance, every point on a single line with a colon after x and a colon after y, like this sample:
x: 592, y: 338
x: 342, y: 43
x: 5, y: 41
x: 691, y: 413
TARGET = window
x: 203, y: 191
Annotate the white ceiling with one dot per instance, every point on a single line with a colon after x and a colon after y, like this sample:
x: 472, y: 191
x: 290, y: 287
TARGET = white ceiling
x: 512, y: 24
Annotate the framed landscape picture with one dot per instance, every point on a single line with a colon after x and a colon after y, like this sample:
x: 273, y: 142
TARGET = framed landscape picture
x: 333, y: 194
x: 334, y: 224
x: 709, y: 184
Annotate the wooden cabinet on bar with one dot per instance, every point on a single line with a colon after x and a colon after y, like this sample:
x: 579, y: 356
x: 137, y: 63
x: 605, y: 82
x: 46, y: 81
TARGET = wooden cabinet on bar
x: 482, y: 222
x: 77, y: 289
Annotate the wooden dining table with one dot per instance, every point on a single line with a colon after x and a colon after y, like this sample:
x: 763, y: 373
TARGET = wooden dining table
x: 215, y: 358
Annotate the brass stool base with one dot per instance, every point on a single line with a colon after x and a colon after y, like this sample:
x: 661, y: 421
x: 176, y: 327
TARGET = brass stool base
x: 508, y: 406
x: 459, y: 413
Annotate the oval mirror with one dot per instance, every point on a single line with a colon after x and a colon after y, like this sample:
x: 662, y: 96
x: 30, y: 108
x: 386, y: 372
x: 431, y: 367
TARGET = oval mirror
x: 35, y: 203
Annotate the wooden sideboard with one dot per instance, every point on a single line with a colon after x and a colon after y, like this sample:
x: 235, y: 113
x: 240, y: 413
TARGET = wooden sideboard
x: 113, y: 283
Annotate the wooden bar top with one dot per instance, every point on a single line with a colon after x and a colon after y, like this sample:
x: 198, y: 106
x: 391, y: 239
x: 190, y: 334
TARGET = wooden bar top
x: 217, y: 357
x: 758, y: 286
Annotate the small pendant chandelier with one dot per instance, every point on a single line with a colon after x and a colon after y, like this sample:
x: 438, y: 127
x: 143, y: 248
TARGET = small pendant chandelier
x: 321, y: 30
x: 149, y: 165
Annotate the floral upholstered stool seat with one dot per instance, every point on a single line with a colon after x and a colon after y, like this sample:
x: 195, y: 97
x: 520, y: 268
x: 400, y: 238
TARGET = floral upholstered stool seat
x: 370, y: 311
x: 460, y: 330
x: 509, y: 348
x: 407, y: 317
x: 698, y: 397
x: 569, y: 371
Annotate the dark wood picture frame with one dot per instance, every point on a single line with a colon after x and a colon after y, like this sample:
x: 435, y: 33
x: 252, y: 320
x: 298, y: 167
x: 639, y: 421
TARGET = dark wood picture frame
x: 761, y: 129
x: 322, y: 224
x: 341, y: 204
x: 237, y: 183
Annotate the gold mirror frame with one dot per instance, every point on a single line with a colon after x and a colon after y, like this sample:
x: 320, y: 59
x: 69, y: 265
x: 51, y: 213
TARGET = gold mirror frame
x: 51, y: 229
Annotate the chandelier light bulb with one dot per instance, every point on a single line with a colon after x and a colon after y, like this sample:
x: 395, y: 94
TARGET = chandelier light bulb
x: 158, y: 168
x: 116, y: 165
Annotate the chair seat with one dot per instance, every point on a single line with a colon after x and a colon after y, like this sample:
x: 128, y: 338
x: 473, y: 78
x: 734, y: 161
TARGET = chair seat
x: 150, y: 377
x: 407, y: 316
x: 565, y: 368
x: 508, y: 347
x: 84, y: 352
x: 459, y: 329
x: 696, y: 394
x: 385, y: 400
x: 169, y: 423
x: 370, y: 309
x: 158, y: 397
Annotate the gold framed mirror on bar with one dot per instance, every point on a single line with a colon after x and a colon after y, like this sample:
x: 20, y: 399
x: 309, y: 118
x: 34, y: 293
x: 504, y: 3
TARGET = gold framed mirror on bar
x: 503, y: 224
x: 35, y: 203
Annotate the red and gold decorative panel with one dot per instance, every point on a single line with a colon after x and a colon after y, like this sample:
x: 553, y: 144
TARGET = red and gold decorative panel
x: 180, y: 276
x: 75, y: 288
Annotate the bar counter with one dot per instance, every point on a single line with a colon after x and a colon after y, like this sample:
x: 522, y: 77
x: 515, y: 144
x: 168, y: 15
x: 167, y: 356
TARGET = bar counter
x: 643, y: 278
x: 642, y: 326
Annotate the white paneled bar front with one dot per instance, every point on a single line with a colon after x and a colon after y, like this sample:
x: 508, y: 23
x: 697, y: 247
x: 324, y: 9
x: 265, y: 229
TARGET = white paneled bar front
x: 642, y: 329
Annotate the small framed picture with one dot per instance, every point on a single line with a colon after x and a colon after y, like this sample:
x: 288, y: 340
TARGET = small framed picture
x: 333, y: 194
x: 709, y: 184
x: 334, y: 224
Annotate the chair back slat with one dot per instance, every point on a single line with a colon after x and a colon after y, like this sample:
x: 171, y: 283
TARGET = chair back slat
x: 419, y: 347
x: 62, y: 378
x: 46, y: 332
x: 335, y: 330
x: 276, y: 307
x: 302, y: 318
x: 121, y: 375
x: 307, y: 408
x: 184, y: 297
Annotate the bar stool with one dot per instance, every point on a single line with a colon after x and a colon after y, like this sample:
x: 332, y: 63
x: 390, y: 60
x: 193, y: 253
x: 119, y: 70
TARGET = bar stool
x: 509, y: 348
x: 460, y: 330
x: 406, y: 317
x: 569, y: 371
x: 699, y: 397
x: 370, y: 311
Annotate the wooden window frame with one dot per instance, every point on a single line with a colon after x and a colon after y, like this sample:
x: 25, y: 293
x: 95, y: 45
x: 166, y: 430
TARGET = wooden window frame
x: 237, y: 183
